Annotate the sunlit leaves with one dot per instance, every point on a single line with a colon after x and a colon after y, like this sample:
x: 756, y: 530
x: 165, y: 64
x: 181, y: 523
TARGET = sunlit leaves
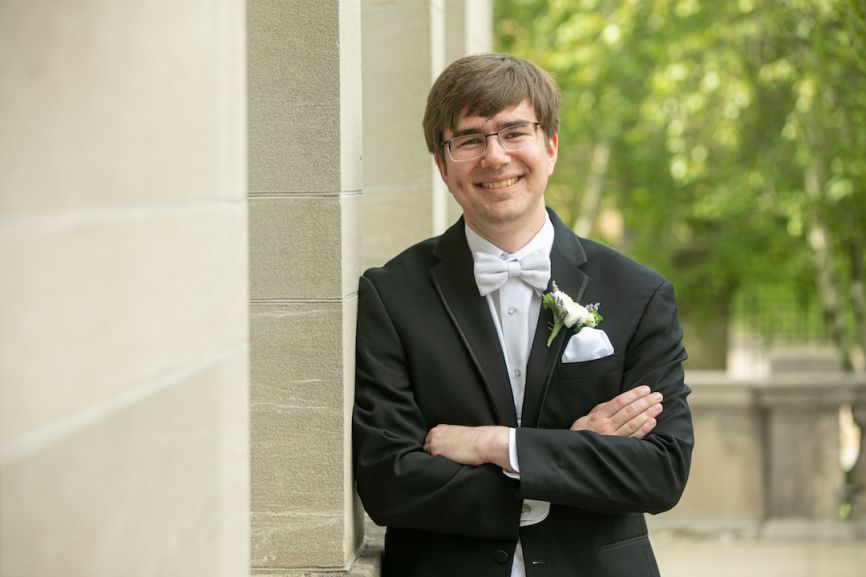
x: 713, y: 112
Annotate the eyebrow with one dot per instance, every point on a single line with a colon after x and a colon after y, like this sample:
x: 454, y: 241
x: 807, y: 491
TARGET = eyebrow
x: 499, y: 126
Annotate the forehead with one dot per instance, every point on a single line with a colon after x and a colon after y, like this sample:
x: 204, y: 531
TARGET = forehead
x: 520, y: 112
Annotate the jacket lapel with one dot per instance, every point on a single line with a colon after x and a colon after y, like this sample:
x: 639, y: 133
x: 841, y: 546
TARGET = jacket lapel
x: 566, y: 257
x: 455, y: 282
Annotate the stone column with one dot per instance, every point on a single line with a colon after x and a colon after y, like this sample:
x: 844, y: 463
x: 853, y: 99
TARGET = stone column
x: 804, y: 476
x: 404, y: 198
x: 726, y: 486
x: 304, y: 192
x: 123, y: 291
x: 468, y: 30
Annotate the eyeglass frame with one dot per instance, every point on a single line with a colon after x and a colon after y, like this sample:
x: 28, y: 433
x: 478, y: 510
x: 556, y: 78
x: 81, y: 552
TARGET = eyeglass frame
x: 447, y: 143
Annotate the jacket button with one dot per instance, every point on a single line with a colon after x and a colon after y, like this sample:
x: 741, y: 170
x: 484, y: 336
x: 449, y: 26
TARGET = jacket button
x: 501, y: 556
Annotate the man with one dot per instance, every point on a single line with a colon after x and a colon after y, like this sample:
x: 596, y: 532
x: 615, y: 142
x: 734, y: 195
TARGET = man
x: 485, y: 446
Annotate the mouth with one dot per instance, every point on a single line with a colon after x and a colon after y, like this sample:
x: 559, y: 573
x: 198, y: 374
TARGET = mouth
x: 499, y: 183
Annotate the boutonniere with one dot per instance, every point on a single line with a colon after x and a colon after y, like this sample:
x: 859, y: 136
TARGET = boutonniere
x: 568, y: 313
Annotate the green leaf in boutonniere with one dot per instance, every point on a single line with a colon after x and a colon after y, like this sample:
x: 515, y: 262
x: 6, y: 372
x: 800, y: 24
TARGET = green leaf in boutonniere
x: 567, y: 313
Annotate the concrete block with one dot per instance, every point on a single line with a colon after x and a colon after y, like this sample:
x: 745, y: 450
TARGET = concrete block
x: 297, y: 461
x: 351, y: 98
x: 141, y: 490
x: 302, y: 494
x: 111, y: 104
x: 404, y: 198
x: 727, y: 475
x: 298, y: 404
x: 100, y: 304
x: 304, y: 247
x: 294, y: 60
x: 392, y: 221
x: 800, y: 360
x: 398, y: 72
x: 804, y: 476
x: 469, y: 27
x: 297, y: 541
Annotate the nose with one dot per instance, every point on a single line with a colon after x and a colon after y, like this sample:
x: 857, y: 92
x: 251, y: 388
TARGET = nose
x: 495, y: 154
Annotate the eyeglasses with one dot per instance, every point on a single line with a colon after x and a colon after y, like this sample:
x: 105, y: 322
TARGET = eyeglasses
x: 472, y: 146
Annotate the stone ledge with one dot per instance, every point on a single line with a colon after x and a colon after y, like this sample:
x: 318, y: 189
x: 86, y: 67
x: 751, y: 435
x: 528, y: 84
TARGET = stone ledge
x: 368, y: 563
x: 757, y: 530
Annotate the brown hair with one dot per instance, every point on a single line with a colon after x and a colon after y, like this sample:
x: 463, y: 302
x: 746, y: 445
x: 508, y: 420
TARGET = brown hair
x: 484, y: 85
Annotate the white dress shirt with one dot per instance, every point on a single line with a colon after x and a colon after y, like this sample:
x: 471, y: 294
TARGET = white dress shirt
x: 514, y: 308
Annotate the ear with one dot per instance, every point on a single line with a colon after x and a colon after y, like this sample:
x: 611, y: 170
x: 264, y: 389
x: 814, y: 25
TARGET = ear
x: 552, y: 152
x: 440, y: 164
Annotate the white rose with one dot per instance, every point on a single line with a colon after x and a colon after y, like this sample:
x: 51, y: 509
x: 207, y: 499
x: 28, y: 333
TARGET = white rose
x: 575, y: 313
x: 563, y: 301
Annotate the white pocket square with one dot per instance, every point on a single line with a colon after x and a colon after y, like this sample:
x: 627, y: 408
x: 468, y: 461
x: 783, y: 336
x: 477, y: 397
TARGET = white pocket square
x: 586, y: 345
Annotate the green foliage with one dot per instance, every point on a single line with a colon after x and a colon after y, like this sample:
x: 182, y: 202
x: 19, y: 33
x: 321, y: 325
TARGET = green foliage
x: 715, y: 115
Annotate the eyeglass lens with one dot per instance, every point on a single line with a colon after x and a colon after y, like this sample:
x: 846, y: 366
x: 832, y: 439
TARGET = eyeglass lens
x: 472, y: 146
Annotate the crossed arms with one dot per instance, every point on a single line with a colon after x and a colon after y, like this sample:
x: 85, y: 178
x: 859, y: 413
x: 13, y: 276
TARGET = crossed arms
x: 630, y: 414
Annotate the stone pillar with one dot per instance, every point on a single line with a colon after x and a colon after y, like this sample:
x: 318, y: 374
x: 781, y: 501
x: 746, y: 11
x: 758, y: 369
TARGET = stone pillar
x: 726, y: 484
x: 304, y: 192
x: 123, y: 292
x: 804, y: 476
x: 468, y: 30
x: 404, y: 198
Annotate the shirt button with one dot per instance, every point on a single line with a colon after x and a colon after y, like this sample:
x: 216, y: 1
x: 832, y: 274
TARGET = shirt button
x: 525, y: 509
x: 517, y: 373
x: 512, y: 311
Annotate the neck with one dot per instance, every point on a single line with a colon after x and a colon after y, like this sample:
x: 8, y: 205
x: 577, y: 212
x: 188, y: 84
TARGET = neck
x: 512, y: 236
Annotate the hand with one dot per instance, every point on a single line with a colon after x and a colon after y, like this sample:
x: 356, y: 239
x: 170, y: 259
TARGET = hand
x: 630, y: 414
x: 469, y: 445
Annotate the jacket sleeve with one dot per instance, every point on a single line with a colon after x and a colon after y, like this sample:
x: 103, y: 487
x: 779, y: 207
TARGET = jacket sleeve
x: 608, y: 474
x: 399, y: 484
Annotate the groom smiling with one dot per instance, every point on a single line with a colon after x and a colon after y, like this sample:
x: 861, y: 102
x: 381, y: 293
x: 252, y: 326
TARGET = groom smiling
x: 485, y: 446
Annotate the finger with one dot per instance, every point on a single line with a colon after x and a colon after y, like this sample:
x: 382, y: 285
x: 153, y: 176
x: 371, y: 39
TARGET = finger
x: 636, y: 408
x: 645, y: 428
x: 622, y: 400
x: 630, y: 427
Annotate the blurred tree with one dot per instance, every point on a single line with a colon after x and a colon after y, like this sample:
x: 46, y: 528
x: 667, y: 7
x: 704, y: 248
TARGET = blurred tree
x: 727, y: 137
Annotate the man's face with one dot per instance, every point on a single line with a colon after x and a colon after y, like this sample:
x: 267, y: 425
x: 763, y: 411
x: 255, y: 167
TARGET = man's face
x: 503, y: 187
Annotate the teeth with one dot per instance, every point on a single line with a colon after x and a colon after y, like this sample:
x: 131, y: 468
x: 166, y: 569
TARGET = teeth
x: 500, y: 184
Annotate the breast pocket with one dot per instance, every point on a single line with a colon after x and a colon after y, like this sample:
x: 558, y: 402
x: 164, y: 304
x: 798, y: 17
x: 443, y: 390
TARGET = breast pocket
x: 576, y: 388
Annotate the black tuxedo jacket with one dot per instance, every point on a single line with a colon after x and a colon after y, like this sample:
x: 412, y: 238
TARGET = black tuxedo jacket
x: 428, y: 354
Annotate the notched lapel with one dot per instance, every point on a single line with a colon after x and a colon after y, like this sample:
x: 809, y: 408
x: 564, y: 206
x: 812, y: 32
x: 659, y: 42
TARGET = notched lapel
x: 455, y: 283
x: 566, y: 257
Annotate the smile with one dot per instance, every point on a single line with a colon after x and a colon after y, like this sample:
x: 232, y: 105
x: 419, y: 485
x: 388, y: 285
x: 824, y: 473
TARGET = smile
x: 500, y: 184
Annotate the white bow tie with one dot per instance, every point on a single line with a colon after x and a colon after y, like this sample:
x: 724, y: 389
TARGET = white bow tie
x: 491, y: 272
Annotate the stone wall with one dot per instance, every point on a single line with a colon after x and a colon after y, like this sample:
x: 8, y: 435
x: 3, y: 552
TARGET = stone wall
x: 123, y: 295
x: 767, y: 455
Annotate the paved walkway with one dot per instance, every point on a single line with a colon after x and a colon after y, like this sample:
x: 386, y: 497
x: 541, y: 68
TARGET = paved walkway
x: 723, y: 554
x: 719, y: 556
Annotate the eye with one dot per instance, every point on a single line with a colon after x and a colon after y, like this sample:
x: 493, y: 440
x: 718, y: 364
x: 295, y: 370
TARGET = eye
x: 519, y: 132
x: 468, y: 141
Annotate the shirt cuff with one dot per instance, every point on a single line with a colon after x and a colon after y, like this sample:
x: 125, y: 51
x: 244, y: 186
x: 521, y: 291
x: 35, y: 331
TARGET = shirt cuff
x: 512, y: 455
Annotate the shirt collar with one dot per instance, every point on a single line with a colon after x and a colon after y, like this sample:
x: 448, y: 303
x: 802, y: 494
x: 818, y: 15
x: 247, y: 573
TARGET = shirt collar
x: 543, y: 241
